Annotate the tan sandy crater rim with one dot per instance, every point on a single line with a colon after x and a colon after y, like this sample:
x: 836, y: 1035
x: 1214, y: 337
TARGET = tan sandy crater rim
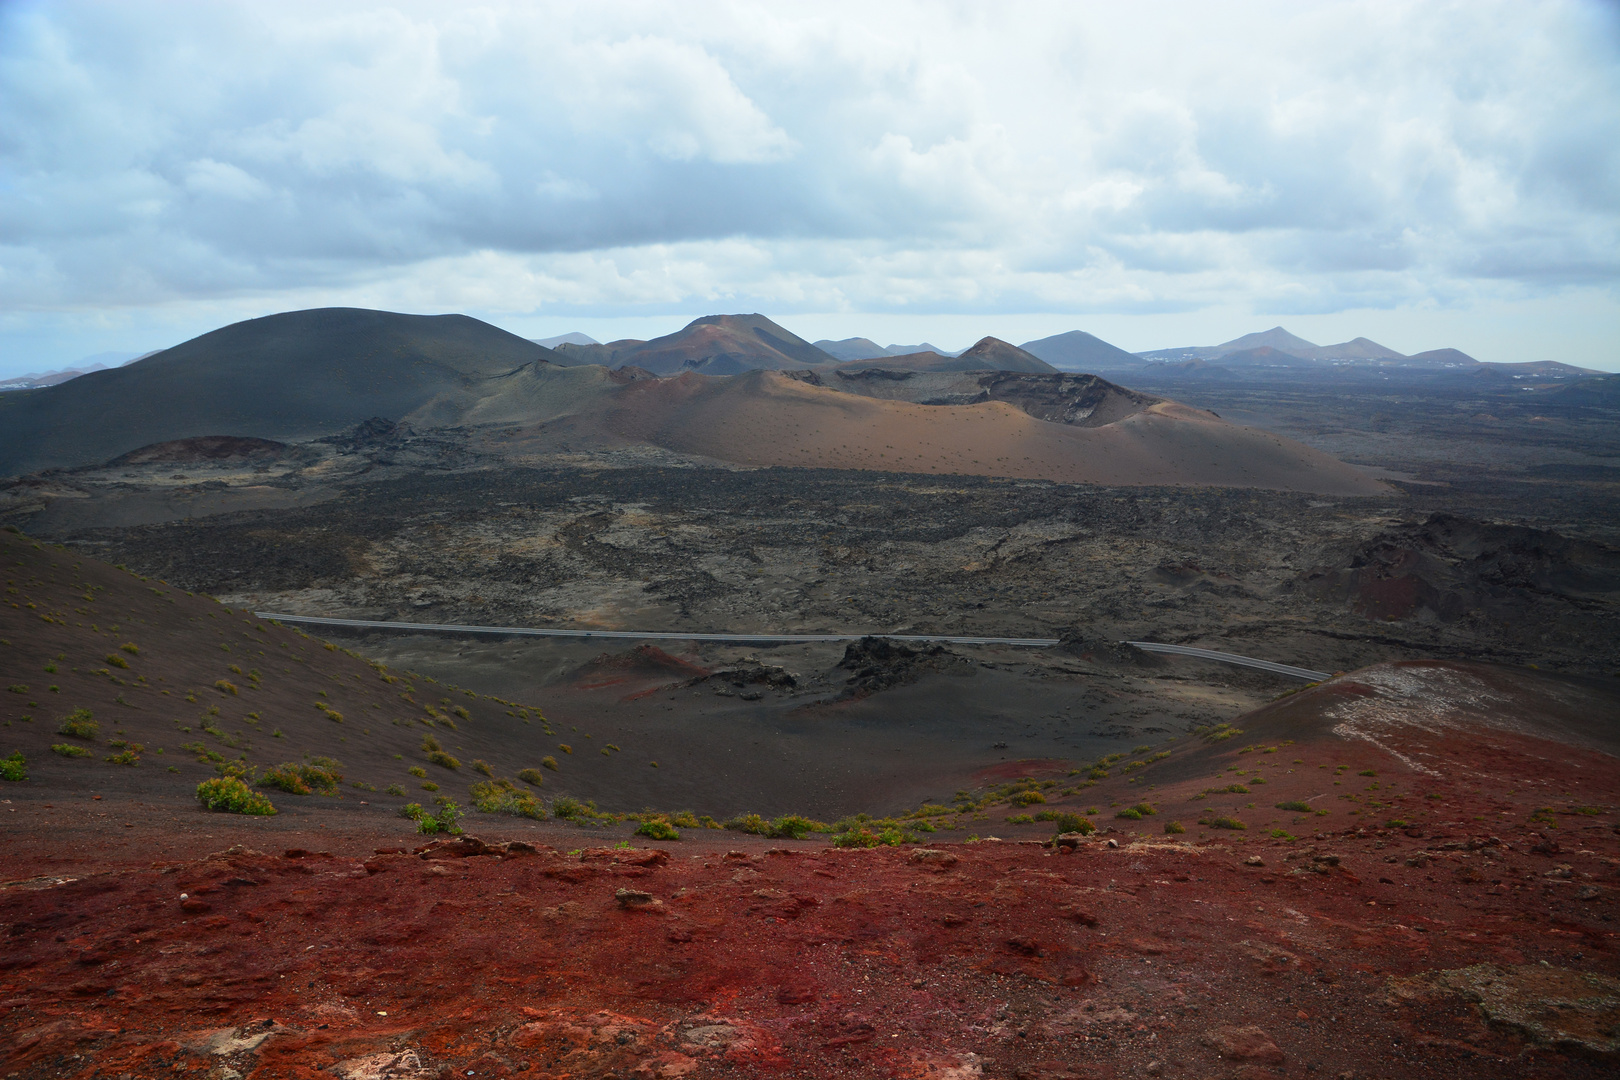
x: 764, y: 418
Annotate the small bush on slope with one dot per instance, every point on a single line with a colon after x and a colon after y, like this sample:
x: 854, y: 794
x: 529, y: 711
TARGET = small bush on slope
x: 230, y: 795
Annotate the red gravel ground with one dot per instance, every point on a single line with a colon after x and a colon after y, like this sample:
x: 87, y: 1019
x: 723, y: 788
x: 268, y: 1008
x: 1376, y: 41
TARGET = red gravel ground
x: 757, y: 958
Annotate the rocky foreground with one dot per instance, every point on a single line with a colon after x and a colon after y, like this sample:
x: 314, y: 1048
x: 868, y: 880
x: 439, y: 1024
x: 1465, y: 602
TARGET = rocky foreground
x: 1358, y: 954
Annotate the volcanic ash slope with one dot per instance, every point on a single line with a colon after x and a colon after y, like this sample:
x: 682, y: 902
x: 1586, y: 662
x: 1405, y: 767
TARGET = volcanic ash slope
x: 767, y: 418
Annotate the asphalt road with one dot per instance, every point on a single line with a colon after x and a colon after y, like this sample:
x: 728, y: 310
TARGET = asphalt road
x: 649, y: 635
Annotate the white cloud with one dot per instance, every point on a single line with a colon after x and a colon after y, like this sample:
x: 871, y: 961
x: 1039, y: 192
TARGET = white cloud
x: 904, y: 157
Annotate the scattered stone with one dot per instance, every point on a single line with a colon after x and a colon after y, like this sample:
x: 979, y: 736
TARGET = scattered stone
x: 1254, y: 860
x: 1248, y: 1043
x: 636, y: 900
x: 1070, y: 840
x: 933, y: 857
x: 461, y: 847
x: 1569, y: 1010
x: 404, y: 1065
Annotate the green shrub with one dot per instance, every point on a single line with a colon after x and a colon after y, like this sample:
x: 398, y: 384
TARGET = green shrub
x: 117, y: 661
x: 393, y: 789
x: 69, y: 750
x: 1174, y: 827
x: 857, y: 838
x: 1021, y: 819
x: 793, y: 827
x: 569, y: 808
x: 428, y: 785
x: 1130, y: 813
x: 1368, y: 772
x: 531, y: 777
x: 549, y: 762
x: 1027, y: 798
x: 78, y: 724
x: 565, y: 748
x: 1067, y: 822
x: 297, y: 779
x: 412, y: 810
x: 482, y: 766
x: 1224, y: 823
x: 658, y: 829
x: 417, y: 771
x: 442, y: 822
x: 439, y: 757
x: 14, y: 767
x: 430, y: 745
x: 229, y: 794
x: 1282, y: 834
x: 1296, y: 806
x: 750, y: 823
x: 686, y: 820
x: 504, y: 797
x: 225, y: 686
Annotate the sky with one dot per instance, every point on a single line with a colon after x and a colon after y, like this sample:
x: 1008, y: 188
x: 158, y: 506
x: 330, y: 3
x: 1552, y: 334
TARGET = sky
x: 1159, y: 174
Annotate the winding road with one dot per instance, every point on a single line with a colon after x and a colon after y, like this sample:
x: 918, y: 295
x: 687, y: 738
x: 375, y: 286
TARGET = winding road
x: 654, y: 635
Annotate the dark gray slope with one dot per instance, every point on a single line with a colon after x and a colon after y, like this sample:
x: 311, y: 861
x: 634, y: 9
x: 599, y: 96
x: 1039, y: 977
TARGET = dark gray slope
x: 299, y: 373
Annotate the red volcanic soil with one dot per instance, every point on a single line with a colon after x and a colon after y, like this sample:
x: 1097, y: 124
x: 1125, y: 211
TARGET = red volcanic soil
x: 1479, y: 938
x: 642, y: 668
x: 994, y: 959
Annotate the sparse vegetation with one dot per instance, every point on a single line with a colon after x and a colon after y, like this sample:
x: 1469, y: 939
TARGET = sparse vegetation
x: 428, y: 824
x: 78, y: 724
x: 549, y: 762
x: 225, y: 686
x: 297, y: 779
x: 15, y: 767
x: 1066, y: 822
x: 1174, y: 827
x: 1223, y: 822
x: 531, y: 777
x: 479, y: 765
x: 394, y: 789
x: 417, y: 771
x: 116, y: 661
x: 1295, y: 806
x: 439, y: 757
x: 68, y: 750
x: 1218, y: 732
x: 230, y: 795
x: 504, y: 797
x: 1137, y: 812
x: 658, y: 829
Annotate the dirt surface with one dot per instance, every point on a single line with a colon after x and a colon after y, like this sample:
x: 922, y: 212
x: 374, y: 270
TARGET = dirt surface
x: 342, y: 946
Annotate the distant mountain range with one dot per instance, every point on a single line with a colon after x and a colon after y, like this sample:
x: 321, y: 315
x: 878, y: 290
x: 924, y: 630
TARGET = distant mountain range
x: 309, y: 373
x: 859, y: 348
x: 733, y: 344
x: 995, y: 410
x: 1278, y: 348
x: 99, y: 362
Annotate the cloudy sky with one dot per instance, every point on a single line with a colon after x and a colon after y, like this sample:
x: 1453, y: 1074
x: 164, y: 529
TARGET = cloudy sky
x: 1425, y: 174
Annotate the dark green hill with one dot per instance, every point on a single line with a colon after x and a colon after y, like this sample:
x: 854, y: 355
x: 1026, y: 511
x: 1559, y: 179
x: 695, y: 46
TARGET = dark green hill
x: 299, y: 373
